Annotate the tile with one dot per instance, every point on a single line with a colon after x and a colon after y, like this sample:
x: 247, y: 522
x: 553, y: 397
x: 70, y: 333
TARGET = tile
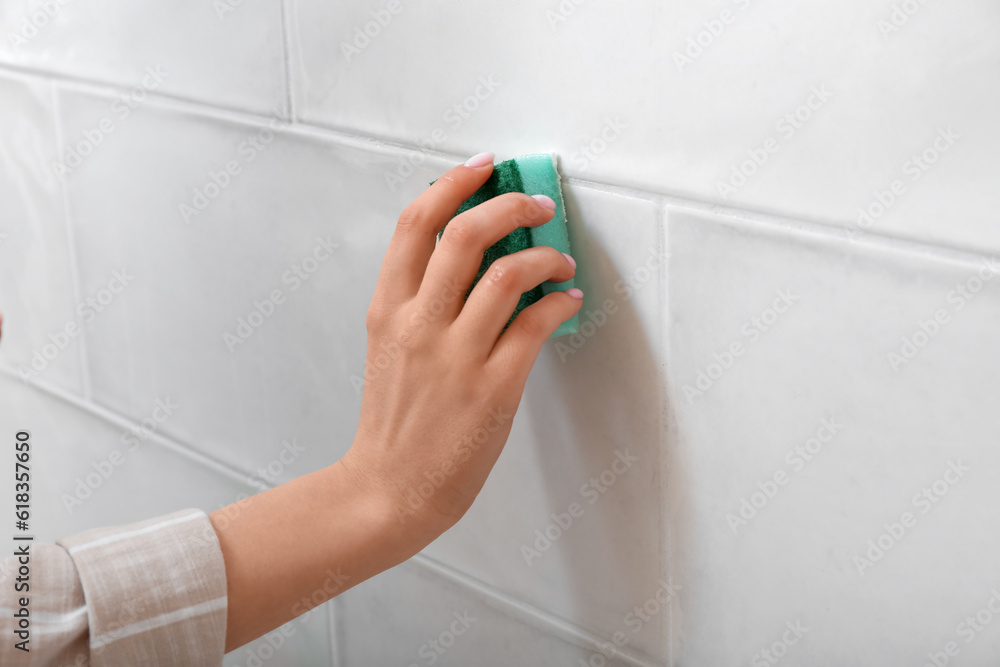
x: 817, y: 390
x: 41, y: 324
x: 673, y: 97
x: 229, y: 52
x: 408, y: 617
x: 570, y: 519
x: 267, y: 384
x: 78, y: 483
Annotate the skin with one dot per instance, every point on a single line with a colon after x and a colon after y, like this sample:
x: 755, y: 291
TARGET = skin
x: 443, y: 381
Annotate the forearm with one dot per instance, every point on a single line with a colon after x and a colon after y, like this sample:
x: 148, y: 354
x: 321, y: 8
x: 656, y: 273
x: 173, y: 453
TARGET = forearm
x: 293, y: 547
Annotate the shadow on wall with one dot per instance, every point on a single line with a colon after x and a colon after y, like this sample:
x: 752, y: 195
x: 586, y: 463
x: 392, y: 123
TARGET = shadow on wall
x: 607, y: 383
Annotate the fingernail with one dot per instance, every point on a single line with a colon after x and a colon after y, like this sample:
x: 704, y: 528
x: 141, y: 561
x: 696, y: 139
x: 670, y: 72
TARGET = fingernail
x: 545, y: 201
x: 480, y: 160
x: 575, y: 293
x: 572, y: 262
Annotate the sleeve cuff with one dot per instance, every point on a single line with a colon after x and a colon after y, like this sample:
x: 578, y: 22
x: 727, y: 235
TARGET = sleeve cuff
x: 155, y: 591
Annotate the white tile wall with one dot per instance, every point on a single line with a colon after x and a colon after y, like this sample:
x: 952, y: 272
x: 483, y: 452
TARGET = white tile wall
x: 676, y: 271
x: 893, y: 428
x: 41, y: 336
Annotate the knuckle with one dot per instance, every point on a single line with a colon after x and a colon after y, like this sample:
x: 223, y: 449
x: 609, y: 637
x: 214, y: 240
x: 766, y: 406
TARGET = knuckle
x: 523, y: 210
x: 409, y: 340
x: 460, y: 234
x: 410, y: 219
x: 505, y: 274
x: 531, y: 325
x: 375, y: 317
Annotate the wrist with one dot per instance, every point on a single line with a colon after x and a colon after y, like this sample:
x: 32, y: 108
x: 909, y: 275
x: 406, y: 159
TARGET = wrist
x: 406, y: 521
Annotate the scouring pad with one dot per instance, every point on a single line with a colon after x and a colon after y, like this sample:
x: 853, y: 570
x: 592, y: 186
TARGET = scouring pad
x: 533, y: 175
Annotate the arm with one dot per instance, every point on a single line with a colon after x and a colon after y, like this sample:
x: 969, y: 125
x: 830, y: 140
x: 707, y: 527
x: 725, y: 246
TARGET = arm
x: 442, y: 383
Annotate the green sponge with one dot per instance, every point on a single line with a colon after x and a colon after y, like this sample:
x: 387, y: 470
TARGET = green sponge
x: 533, y: 175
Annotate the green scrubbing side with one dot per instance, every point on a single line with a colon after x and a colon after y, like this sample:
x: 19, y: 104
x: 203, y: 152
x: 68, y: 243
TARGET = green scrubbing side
x: 506, y: 177
x: 531, y: 174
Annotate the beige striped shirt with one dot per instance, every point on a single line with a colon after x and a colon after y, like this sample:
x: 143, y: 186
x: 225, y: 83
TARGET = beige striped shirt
x: 149, y: 593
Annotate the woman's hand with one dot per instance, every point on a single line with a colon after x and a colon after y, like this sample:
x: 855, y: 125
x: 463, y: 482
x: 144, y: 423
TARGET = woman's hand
x: 442, y: 383
x: 442, y: 377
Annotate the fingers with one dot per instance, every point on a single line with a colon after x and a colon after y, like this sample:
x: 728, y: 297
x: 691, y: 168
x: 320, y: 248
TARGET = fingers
x: 416, y: 231
x: 497, y: 294
x: 455, y: 262
x: 516, y: 351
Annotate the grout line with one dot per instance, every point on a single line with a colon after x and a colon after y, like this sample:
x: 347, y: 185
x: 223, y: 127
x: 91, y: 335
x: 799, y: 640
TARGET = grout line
x: 74, y: 264
x: 786, y: 225
x: 827, y: 231
x: 535, y: 617
x: 113, y: 89
x: 662, y: 449
x: 331, y: 625
x: 287, y: 17
x: 336, y: 658
x: 126, y: 423
x: 231, y: 115
x: 615, y: 189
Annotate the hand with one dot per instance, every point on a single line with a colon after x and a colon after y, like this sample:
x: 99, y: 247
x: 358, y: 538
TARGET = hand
x: 442, y: 377
x: 442, y: 383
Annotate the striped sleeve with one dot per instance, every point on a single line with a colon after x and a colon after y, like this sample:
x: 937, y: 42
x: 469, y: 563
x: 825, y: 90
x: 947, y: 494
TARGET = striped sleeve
x: 149, y: 593
x: 57, y: 615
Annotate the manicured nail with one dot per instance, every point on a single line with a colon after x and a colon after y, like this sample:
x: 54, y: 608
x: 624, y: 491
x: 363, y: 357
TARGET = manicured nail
x: 545, y: 201
x: 572, y: 262
x: 480, y: 160
x: 575, y: 293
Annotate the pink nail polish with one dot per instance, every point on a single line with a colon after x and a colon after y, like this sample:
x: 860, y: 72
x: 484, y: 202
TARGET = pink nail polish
x: 575, y: 293
x: 480, y: 160
x: 572, y: 262
x: 545, y: 201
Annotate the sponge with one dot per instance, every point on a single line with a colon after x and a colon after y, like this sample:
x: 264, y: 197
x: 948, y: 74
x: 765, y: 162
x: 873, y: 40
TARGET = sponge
x: 533, y: 175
